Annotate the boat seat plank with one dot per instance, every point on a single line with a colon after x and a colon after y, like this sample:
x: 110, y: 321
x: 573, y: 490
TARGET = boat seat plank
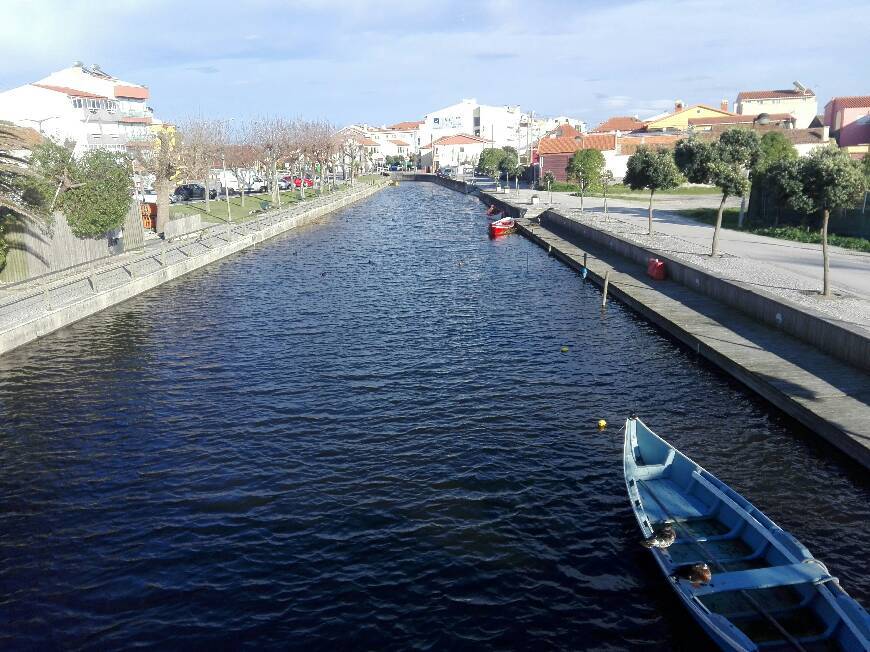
x: 765, y: 578
x: 678, y: 504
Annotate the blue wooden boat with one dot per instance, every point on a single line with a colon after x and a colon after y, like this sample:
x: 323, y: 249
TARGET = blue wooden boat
x: 764, y: 590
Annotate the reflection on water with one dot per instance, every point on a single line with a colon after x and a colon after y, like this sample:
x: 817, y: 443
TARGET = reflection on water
x: 365, y: 432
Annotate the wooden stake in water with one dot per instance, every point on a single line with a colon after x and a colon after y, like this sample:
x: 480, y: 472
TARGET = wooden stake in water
x: 606, y: 285
x: 584, y: 260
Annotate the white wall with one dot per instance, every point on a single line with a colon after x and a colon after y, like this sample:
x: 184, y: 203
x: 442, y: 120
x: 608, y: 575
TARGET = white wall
x: 804, y: 109
x: 449, y: 121
x: 450, y: 155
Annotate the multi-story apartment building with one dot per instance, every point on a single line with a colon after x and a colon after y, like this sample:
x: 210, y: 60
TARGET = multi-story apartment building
x: 84, y: 105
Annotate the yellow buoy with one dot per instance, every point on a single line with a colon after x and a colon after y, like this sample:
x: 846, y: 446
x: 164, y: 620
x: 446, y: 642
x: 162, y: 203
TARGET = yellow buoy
x: 565, y: 349
x: 602, y: 424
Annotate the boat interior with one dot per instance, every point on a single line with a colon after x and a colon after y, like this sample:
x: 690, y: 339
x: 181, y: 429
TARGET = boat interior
x: 764, y: 581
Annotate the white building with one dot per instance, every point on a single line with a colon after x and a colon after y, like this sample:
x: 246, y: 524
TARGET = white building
x: 452, y: 151
x: 83, y: 105
x: 500, y: 126
x: 799, y: 101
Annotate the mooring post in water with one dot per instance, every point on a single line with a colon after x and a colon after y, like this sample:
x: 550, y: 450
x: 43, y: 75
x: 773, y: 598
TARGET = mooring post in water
x: 584, y: 259
x: 606, y: 286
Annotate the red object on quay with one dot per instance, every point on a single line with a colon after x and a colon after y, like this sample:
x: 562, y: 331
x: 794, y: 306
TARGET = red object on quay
x: 655, y: 268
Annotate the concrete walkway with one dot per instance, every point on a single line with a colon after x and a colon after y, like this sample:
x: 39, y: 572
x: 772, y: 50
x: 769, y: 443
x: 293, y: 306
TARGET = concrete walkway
x: 850, y: 270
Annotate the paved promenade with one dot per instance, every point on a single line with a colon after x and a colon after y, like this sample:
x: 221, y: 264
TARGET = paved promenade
x: 850, y: 270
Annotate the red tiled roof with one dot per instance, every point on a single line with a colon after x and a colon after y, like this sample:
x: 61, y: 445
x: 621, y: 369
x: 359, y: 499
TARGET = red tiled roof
x: 737, y: 119
x: 770, y: 95
x: 145, y: 120
x: 564, y: 131
x: 601, y: 142
x: 406, y: 126
x: 619, y: 123
x: 813, y: 135
x: 72, y: 92
x: 460, y: 139
x: 367, y: 142
x: 851, y: 102
x: 399, y: 143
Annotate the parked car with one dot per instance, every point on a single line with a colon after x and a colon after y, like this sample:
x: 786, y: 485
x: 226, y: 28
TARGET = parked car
x: 394, y: 168
x: 285, y: 183
x: 191, y: 192
x: 298, y: 181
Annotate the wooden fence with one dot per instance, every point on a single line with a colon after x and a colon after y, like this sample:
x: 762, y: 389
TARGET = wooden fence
x: 36, y: 249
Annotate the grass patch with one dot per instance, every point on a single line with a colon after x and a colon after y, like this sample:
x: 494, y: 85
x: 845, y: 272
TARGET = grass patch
x: 622, y: 191
x: 219, y: 213
x: 794, y: 233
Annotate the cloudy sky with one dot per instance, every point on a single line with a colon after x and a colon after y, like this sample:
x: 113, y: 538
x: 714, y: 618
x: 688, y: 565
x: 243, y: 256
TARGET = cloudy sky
x: 381, y: 62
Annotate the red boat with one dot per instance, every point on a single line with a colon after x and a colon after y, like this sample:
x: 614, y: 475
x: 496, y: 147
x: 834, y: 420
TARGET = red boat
x: 502, y: 227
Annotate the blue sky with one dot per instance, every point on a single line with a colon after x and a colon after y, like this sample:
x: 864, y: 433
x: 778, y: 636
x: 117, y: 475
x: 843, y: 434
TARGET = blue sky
x: 382, y: 62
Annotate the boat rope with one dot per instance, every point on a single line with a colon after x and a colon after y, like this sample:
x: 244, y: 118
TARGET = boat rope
x: 720, y: 566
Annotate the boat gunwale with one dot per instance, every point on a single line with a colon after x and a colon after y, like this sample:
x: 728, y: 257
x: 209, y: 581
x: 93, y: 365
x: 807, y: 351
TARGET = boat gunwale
x: 768, y: 528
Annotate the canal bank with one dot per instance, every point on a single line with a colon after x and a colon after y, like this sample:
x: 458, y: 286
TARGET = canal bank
x: 61, y: 300
x: 827, y: 393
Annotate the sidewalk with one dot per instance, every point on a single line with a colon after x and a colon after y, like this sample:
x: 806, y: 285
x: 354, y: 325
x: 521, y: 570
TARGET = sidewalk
x: 850, y: 270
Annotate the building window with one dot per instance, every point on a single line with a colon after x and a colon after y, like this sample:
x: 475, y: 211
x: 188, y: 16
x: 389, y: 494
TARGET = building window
x: 77, y: 102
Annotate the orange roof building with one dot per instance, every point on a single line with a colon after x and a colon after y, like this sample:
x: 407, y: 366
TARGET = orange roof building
x: 624, y: 123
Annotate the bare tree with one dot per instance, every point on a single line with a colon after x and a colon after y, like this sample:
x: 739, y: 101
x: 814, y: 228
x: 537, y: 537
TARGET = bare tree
x: 198, y: 149
x: 240, y: 156
x: 274, y: 139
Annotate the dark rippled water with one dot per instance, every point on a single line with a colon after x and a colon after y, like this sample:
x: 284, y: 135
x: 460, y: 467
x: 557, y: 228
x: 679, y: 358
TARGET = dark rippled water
x: 363, y: 435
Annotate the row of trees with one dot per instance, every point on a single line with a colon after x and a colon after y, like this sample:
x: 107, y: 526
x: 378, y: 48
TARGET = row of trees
x: 39, y: 177
x: 825, y: 180
x: 263, y: 146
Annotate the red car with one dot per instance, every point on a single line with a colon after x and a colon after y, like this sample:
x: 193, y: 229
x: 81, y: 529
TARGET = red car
x: 297, y: 181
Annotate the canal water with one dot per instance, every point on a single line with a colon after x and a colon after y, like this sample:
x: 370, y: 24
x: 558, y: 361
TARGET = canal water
x: 365, y: 435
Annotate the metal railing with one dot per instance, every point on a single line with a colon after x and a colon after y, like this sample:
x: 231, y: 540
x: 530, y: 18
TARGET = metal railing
x: 57, y: 290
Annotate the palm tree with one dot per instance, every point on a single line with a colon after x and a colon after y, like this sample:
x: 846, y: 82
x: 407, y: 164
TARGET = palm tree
x: 14, y: 169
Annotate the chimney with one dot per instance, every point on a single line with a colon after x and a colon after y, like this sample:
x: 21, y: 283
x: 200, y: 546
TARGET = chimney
x: 678, y: 105
x: 723, y: 105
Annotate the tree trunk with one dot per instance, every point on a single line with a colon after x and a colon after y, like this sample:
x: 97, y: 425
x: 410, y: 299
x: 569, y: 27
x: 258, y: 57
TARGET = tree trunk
x: 162, y: 188
x: 715, y: 248
x: 651, y: 193
x: 826, y: 281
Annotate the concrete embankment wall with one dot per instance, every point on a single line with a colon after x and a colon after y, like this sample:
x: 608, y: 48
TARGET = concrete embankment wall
x: 842, y: 341
x: 44, y: 320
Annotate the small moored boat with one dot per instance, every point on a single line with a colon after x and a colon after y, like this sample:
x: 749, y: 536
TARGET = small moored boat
x: 748, y: 583
x: 502, y: 227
